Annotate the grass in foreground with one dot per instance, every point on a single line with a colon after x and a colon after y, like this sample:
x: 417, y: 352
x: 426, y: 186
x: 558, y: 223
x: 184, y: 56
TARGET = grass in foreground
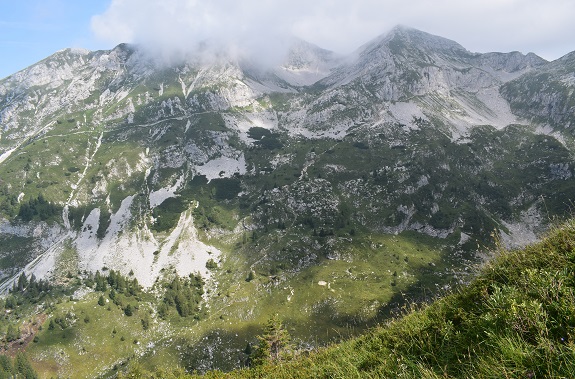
x: 516, y: 319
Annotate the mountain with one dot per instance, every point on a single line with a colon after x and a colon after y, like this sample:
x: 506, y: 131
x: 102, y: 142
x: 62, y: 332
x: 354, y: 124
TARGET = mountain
x: 330, y: 189
x: 545, y: 96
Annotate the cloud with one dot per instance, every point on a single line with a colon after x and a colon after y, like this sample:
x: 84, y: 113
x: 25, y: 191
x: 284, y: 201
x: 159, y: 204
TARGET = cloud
x: 178, y: 27
x: 261, y: 28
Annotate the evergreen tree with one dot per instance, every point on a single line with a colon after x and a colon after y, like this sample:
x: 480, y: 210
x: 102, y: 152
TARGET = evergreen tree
x: 128, y: 311
x: 10, y: 302
x: 32, y: 282
x: 22, y: 282
x: 23, y: 367
x: 185, y: 294
x: 5, y: 363
x: 6, y: 368
x: 274, y: 344
x: 163, y: 310
x: 100, y: 282
x: 145, y: 322
x: 12, y: 333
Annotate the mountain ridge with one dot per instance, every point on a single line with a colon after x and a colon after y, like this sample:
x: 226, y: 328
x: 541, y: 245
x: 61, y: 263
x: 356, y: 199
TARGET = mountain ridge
x: 417, y: 76
x: 393, y: 77
x: 376, y: 175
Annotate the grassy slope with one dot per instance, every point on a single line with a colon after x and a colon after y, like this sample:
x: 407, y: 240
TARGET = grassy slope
x: 516, y: 319
x: 357, y: 294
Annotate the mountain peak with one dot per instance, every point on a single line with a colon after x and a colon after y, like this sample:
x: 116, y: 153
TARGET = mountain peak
x: 411, y: 45
x: 403, y: 35
x: 302, y: 53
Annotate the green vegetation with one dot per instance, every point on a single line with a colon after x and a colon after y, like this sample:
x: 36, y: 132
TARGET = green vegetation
x: 312, y: 218
x: 20, y: 367
x: 26, y: 294
x: 95, y: 332
x: 100, y: 327
x: 515, y: 319
x: 184, y: 295
x: 104, y: 222
x: 274, y: 345
x: 264, y: 138
x: 19, y: 247
x: 167, y: 214
x: 542, y: 96
x: 258, y: 133
x: 39, y: 209
x: 8, y: 202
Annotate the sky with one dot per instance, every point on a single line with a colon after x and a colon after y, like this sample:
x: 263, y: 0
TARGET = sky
x: 31, y: 30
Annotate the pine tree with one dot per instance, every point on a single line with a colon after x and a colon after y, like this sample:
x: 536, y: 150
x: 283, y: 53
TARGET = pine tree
x: 12, y: 333
x: 10, y: 302
x: 6, y: 368
x: 274, y: 343
x: 100, y: 282
x: 22, y: 282
x: 23, y: 367
x: 163, y: 310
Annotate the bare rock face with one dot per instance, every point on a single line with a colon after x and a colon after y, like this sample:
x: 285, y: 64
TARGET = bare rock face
x: 545, y: 96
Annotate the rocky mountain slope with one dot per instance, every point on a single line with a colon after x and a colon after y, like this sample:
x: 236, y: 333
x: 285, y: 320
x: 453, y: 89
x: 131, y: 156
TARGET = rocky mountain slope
x: 389, y: 167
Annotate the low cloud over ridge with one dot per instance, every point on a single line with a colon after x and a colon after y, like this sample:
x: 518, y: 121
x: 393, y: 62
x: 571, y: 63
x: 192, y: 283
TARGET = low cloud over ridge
x: 261, y: 28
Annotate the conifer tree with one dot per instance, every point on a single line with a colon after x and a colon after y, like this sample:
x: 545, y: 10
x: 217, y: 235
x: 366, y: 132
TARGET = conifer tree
x: 12, y: 333
x: 6, y: 368
x: 128, y: 311
x: 22, y: 282
x: 23, y: 367
x: 274, y: 344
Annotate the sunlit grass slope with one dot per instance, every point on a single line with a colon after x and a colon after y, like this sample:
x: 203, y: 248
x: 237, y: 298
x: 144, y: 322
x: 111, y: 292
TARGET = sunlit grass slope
x: 515, y: 320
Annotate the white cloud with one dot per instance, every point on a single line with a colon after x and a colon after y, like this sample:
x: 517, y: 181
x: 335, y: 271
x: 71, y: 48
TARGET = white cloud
x: 183, y: 26
x: 256, y: 26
